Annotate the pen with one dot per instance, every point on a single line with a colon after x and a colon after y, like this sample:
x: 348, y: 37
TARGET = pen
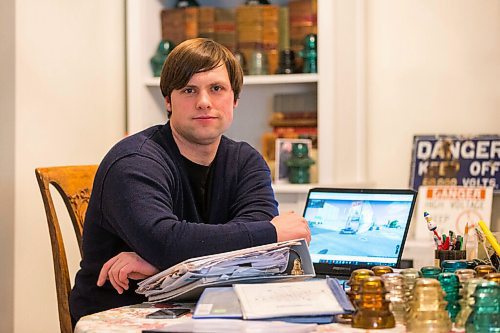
x: 489, y: 236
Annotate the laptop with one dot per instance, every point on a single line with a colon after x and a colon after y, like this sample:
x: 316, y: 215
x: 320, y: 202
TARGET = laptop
x: 357, y: 228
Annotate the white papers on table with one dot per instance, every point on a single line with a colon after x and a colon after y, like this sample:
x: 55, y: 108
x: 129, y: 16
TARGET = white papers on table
x: 264, y: 261
x: 269, y: 300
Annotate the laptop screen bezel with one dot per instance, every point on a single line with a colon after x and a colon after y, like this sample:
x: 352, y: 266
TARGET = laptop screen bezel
x: 345, y: 270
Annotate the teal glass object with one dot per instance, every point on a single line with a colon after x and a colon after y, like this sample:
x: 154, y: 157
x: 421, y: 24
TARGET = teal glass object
x: 430, y: 272
x: 450, y: 266
x: 485, y: 315
x: 186, y: 3
x: 450, y: 284
x: 299, y: 164
x: 310, y: 54
x: 158, y: 59
x: 466, y: 301
x: 471, y: 264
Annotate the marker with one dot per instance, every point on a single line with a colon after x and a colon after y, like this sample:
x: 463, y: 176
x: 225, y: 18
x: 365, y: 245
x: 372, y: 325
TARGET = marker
x: 489, y: 236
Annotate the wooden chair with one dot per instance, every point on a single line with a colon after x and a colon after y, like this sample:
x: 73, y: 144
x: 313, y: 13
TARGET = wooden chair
x: 74, y: 184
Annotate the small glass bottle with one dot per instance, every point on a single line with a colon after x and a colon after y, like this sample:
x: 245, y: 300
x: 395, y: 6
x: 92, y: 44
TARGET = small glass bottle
x: 427, y: 309
x: 449, y: 283
x: 485, y: 315
x: 466, y: 301
x: 373, y: 307
x: 431, y: 272
x: 381, y: 270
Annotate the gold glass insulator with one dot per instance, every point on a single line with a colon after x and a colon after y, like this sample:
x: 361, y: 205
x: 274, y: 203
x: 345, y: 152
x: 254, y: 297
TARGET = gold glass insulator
x: 381, y: 270
x: 373, y: 309
x: 483, y: 270
x: 493, y: 277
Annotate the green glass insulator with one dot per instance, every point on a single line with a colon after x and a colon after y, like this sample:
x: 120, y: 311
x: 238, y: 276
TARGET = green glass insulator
x: 485, y: 315
x: 450, y: 266
x: 466, y: 301
x: 431, y: 272
x: 450, y: 284
x: 299, y: 164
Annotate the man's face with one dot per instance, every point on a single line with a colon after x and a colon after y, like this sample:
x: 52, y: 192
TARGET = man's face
x: 203, y: 110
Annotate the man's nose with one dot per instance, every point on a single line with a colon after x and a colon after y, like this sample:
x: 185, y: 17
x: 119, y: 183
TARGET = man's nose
x: 203, y: 101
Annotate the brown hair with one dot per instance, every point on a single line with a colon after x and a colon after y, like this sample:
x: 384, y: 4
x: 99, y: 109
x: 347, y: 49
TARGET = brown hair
x: 196, y: 56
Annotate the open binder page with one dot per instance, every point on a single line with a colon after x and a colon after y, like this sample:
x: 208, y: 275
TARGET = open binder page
x: 188, y: 278
x: 301, y: 298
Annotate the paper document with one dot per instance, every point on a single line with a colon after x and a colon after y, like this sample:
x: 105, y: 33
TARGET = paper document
x: 304, y: 298
x: 187, y: 279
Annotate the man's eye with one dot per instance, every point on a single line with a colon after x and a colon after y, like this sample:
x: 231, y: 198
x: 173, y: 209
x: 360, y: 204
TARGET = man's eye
x: 217, y: 88
x: 188, y: 90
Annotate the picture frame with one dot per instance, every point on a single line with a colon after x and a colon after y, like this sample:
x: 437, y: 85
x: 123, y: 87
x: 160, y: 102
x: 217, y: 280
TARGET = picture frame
x: 283, y: 153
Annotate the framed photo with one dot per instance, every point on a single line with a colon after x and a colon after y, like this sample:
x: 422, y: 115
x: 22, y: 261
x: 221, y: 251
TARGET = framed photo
x: 283, y: 153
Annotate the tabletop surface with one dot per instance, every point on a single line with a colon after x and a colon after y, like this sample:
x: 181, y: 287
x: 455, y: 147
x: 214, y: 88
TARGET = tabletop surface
x: 132, y: 319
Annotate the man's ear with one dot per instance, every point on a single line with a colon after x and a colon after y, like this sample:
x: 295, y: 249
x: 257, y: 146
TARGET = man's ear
x: 168, y: 105
x: 235, y: 104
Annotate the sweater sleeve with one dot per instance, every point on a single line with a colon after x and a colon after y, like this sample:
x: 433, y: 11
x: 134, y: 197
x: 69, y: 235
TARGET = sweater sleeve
x: 255, y: 203
x: 137, y: 205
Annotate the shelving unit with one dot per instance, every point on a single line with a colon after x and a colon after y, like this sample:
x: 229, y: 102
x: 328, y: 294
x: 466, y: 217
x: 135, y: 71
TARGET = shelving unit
x: 340, y: 86
x: 340, y: 106
x: 258, y: 79
x: 145, y: 105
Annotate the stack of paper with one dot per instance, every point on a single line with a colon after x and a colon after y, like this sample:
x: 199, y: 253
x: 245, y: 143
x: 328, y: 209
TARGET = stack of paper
x: 315, y: 301
x: 187, y: 279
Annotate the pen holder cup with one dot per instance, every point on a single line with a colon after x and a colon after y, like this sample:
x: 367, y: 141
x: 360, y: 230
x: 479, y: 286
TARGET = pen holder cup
x: 441, y: 255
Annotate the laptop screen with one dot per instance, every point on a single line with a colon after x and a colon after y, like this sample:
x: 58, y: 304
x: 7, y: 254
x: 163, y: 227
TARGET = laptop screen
x: 357, y: 228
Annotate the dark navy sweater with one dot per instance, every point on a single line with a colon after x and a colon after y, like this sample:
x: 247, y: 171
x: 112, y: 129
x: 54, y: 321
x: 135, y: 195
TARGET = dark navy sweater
x: 142, y: 202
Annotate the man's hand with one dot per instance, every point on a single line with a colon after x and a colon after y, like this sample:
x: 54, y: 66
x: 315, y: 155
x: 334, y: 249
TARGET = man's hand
x: 124, y: 266
x: 291, y: 226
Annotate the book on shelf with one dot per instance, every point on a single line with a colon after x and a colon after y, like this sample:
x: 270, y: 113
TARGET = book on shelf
x: 225, y: 27
x: 258, y: 29
x: 179, y: 24
x: 206, y: 22
x: 303, y: 21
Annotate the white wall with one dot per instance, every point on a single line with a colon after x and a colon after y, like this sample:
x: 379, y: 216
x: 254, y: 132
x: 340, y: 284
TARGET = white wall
x: 433, y: 67
x: 70, y: 109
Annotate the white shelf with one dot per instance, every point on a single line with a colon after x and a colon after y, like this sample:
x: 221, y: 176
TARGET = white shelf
x: 280, y: 79
x: 293, y: 188
x: 259, y: 79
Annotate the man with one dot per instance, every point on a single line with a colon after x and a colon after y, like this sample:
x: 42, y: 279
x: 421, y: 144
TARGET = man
x: 180, y: 190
